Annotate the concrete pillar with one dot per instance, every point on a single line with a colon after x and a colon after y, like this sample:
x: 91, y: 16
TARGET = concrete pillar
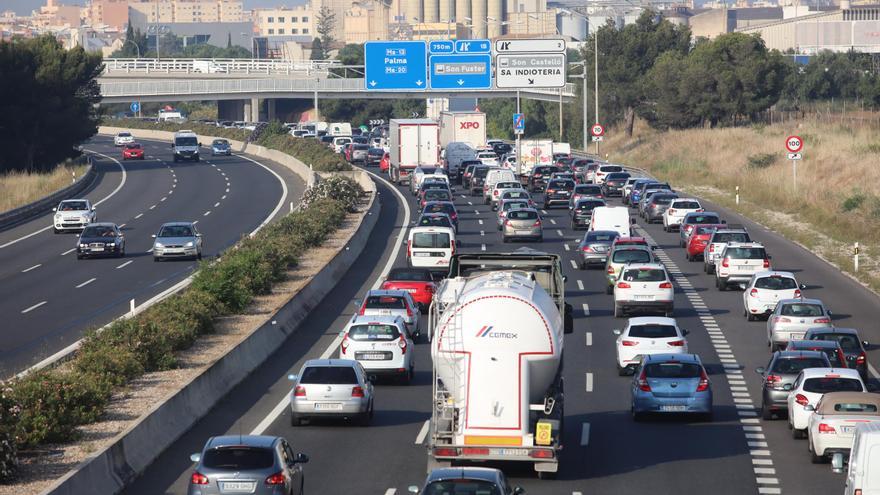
x: 247, y: 110
x: 478, y: 18
x: 447, y: 11
x: 462, y: 10
x: 270, y: 109
x: 413, y: 11
x: 254, y: 116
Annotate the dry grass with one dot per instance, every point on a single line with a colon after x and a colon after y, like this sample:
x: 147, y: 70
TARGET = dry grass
x: 837, y: 201
x: 18, y: 189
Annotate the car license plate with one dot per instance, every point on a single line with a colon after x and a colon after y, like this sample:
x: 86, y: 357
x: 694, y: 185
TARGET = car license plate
x: 513, y: 452
x: 237, y: 486
x: 421, y: 254
x: 644, y: 298
x: 523, y: 232
x: 411, y: 290
x: 796, y: 336
x: 673, y: 408
x: 847, y: 429
x: 372, y: 357
x: 97, y: 249
x: 328, y: 406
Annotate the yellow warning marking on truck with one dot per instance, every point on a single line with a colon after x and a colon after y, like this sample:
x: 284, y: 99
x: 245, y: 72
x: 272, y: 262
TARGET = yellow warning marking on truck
x: 544, y: 433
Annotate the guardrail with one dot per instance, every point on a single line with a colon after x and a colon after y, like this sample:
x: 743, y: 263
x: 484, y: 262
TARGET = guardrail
x: 169, y: 66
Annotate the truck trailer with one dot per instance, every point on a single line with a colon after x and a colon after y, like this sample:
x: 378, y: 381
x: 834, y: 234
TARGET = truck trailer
x: 413, y: 142
x: 463, y: 127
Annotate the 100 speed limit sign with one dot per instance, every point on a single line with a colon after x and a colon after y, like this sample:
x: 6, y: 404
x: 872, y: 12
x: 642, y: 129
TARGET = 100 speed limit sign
x: 794, y: 144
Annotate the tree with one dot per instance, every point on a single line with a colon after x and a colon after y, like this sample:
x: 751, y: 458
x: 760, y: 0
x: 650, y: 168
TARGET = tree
x: 318, y: 52
x: 326, y: 26
x: 228, y: 41
x: 54, y: 108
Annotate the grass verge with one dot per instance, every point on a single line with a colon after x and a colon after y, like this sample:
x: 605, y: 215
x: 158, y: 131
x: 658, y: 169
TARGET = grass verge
x: 19, y: 188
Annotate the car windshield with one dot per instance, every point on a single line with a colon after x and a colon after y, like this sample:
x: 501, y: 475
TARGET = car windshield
x: 703, y: 219
x: 848, y: 342
x: 645, y: 275
x: 428, y: 240
x: 238, y: 458
x: 588, y: 189
x: 798, y: 364
x: 404, y: 274
x: 186, y: 141
x: 434, y: 221
x: 602, y: 236
x: 329, y: 375
x: 775, y: 283
x: 373, y: 331
x: 589, y: 205
x: 175, y: 231
x: 220, y: 142
x: 653, y: 331
x: 544, y: 170
x: 522, y: 215
x: 98, y: 231
x: 514, y: 205
x: 631, y: 256
x: 687, y: 205
x: 73, y: 206
x: 673, y: 369
x: 855, y: 407
x: 731, y: 237
x: 461, y: 487
x: 826, y: 384
x: 802, y: 310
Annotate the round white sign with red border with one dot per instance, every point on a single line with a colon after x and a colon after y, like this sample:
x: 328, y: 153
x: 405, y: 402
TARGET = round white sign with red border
x: 794, y: 144
x: 597, y: 130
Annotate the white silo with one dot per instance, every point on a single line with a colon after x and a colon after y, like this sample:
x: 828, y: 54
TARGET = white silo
x: 496, y: 13
x: 413, y: 11
x: 431, y: 9
x: 479, y: 22
x: 462, y: 10
x: 447, y: 11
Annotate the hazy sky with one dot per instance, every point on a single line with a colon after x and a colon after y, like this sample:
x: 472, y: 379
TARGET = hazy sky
x: 24, y: 7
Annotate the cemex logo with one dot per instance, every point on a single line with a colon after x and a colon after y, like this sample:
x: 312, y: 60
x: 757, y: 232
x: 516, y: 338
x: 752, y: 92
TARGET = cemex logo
x: 486, y: 331
x: 469, y: 125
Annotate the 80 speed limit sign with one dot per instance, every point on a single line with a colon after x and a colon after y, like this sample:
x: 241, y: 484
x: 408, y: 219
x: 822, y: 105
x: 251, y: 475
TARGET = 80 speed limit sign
x: 794, y: 144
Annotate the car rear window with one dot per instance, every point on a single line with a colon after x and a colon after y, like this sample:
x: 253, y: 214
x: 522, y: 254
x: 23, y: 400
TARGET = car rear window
x: 825, y: 384
x: 802, y: 310
x: 673, y: 369
x: 461, y: 487
x: 514, y: 205
x: 238, y: 458
x: 746, y: 253
x: 439, y: 240
x: 645, y: 275
x: 775, y: 283
x: 403, y: 274
x: 798, y: 364
x: 507, y: 185
x: 732, y: 237
x: 436, y: 194
x: 703, y: 219
x: 687, y: 205
x: 522, y: 215
x: 617, y: 176
x: 361, y: 147
x: 435, y: 221
x: 588, y: 189
x: 135, y: 146
x: 385, y: 302
x: 653, y: 331
x: 481, y: 172
x: 855, y: 407
x: 373, y: 332
x: 329, y: 375
x: 704, y: 230
x: 561, y: 184
x: 662, y: 200
x: 515, y: 195
x: 847, y: 341
x: 440, y: 208
x: 611, y: 168
x: 632, y: 256
x: 599, y: 236
x: 589, y: 205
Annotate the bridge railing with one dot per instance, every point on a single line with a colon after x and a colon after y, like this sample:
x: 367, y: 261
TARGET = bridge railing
x: 153, y: 66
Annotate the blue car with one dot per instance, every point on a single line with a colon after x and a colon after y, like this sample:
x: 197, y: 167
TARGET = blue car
x: 671, y: 383
x: 635, y: 195
x: 221, y: 147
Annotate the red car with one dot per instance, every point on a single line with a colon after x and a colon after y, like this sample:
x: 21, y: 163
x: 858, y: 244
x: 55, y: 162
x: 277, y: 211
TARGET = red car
x: 385, y: 163
x: 698, y: 238
x: 133, y: 151
x: 417, y: 281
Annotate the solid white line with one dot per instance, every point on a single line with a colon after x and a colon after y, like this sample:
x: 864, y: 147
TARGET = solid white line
x: 207, y: 213
x: 151, y: 249
x: 580, y: 284
x: 585, y: 434
x: 138, y: 216
x: 35, y: 306
x: 589, y: 339
x: 268, y: 420
x: 31, y: 268
x: 586, y: 308
x: 423, y: 432
x: 87, y: 282
x: 125, y: 264
x: 589, y: 382
x: 68, y: 252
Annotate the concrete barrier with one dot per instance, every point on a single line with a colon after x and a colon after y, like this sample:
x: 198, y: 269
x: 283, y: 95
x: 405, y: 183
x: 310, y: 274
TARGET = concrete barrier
x: 132, y: 451
x: 11, y: 218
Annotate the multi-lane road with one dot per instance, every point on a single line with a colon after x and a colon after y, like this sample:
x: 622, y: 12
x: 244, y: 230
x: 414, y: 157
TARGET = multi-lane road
x: 48, y: 298
x: 605, y: 451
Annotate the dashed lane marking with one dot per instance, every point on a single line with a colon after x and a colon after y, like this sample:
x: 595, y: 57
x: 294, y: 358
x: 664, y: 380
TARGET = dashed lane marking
x: 589, y: 386
x: 585, y: 434
x: 32, y: 268
x: 589, y: 338
x: 574, y: 264
x: 138, y: 216
x: 216, y: 204
x: 580, y: 284
x: 153, y: 207
x: 125, y: 264
x: 87, y: 282
x: 482, y: 247
x: 553, y: 221
x: 586, y: 308
x: 35, y: 306
x: 207, y: 213
x: 68, y: 252
x: 567, y: 248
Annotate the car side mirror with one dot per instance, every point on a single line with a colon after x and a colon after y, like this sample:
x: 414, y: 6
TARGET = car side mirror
x: 518, y: 490
x: 809, y: 407
x: 153, y: 236
x: 195, y: 457
x: 301, y: 458
x: 829, y: 312
x: 292, y: 378
x: 54, y: 209
x: 760, y: 370
x: 787, y: 387
x: 413, y: 489
x: 617, y: 331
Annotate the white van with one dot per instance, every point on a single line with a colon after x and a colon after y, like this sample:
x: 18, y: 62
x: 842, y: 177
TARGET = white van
x: 861, y: 477
x: 614, y: 218
x: 493, y: 177
x: 339, y: 129
x: 430, y: 247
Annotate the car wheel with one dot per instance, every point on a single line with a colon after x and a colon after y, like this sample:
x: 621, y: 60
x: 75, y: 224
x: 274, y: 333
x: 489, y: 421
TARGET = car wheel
x: 797, y: 434
x: 156, y: 259
x: 583, y: 265
x: 751, y: 317
x: 79, y: 256
x: 504, y: 239
x: 689, y: 257
x: 620, y: 371
x: 720, y: 284
x: 295, y: 420
x: 766, y: 413
x: 56, y: 230
x: 618, y: 311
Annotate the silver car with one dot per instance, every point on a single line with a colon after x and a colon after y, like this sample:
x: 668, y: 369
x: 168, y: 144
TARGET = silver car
x: 594, y: 247
x: 73, y: 214
x: 524, y: 223
x: 256, y: 464
x: 177, y: 240
x: 331, y: 388
x: 792, y: 318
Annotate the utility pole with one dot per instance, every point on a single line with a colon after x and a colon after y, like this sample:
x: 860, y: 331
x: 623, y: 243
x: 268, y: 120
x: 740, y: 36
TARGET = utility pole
x: 519, y: 157
x: 560, y: 113
x: 596, y: 80
x: 584, y: 88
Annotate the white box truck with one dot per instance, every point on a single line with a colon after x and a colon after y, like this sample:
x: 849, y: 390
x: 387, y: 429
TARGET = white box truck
x: 413, y: 142
x: 562, y: 149
x: 535, y: 152
x: 339, y: 129
x: 465, y: 127
x: 496, y: 328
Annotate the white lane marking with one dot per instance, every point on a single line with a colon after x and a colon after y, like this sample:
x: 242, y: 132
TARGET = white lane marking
x: 480, y: 221
x: 574, y: 264
x: 769, y: 490
x: 195, y: 222
x: 35, y: 306
x: 138, y: 216
x: 482, y: 232
x: 423, y: 432
x: 543, y: 212
x: 585, y: 434
x: 476, y: 212
x: 285, y: 401
x: 553, y: 221
x: 163, y: 198
x: 170, y: 191
x: 580, y: 284
x: 223, y: 197
x: 105, y: 198
x: 470, y: 203
x: 391, y: 491
x: 87, y: 282
x: 207, y: 213
x: 762, y: 462
x: 227, y: 189
x: 589, y: 338
x: 586, y: 308
x: 153, y: 207
x: 560, y: 233
x: 216, y: 204
x: 567, y: 248
x: 68, y: 251
x: 151, y: 249
x: 764, y: 470
x: 768, y: 481
x: 125, y: 264
x: 482, y: 247
x: 31, y: 268
x: 589, y: 382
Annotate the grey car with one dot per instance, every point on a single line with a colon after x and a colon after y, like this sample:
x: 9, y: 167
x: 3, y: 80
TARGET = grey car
x: 696, y: 218
x: 848, y: 338
x: 177, y: 240
x: 792, y: 318
x: 594, y: 247
x: 780, y: 373
x: 331, y: 388
x: 256, y: 464
x: 524, y: 223
x: 466, y: 480
x: 657, y: 205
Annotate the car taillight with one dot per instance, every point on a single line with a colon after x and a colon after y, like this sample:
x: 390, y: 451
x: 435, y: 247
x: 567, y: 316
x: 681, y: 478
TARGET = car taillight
x: 671, y: 211
x: 551, y: 191
x: 797, y: 293
x: 826, y: 428
x: 408, y: 250
x: 610, y: 270
x: 773, y: 379
x: 700, y: 210
x: 623, y: 285
x: 357, y: 391
x: 344, y: 345
x: 643, y: 382
x: 629, y: 343
x: 587, y: 249
x: 537, y: 223
x: 299, y: 391
x: 704, y: 382
x: 666, y: 285
x: 753, y: 293
x: 402, y: 344
x: 711, y: 248
x: 676, y: 343
x: 781, y: 319
x: 801, y: 399
x: 275, y: 479
x: 495, y: 192
x: 862, y: 358
x: 725, y: 262
x: 822, y: 320
x: 445, y: 452
x: 506, y: 221
x: 766, y: 263
x: 409, y: 311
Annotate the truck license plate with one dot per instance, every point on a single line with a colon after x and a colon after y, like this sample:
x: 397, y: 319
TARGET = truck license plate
x: 508, y: 452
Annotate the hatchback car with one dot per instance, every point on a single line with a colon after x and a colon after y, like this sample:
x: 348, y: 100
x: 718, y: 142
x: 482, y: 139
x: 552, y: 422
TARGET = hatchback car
x: 505, y: 187
x: 620, y: 257
x: 739, y: 262
x: 638, y: 189
x: 833, y: 421
x: 765, y: 289
x: 584, y: 191
x: 100, y: 239
x: 671, y: 384
x: 419, y: 282
x: 603, y: 171
x: 220, y: 147
x: 374, y: 156
x: 691, y: 219
x: 523, y: 223
x: 613, y: 184
x: 558, y: 192
x: 582, y: 212
x: 133, y: 151
x: 177, y: 240
x: 507, y: 205
x: 447, y: 207
x: 73, y: 214
x: 466, y: 481
x: 779, y: 374
x: 123, y: 138
x: 809, y: 387
x: 644, y: 336
x: 792, y: 318
x: 848, y: 338
x: 434, y: 194
x: 643, y: 286
x: 718, y: 241
x: 630, y: 184
x: 382, y: 344
x: 594, y: 247
x: 695, y: 246
x: 656, y: 205
x: 331, y: 388
x: 677, y: 210
x: 392, y: 303
x: 829, y: 347
x: 539, y: 177
x: 257, y: 464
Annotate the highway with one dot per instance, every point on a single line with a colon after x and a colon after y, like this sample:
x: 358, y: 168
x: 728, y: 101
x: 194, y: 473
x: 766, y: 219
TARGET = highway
x: 605, y: 451
x: 48, y: 298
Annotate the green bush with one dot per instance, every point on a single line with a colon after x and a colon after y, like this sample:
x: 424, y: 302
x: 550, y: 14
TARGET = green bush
x: 334, y: 187
x: 9, y: 412
x: 200, y: 129
x: 761, y: 160
x: 309, y: 151
x: 853, y: 202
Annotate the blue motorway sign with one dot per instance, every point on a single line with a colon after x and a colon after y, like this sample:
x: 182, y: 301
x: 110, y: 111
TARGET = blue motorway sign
x: 396, y: 65
x: 135, y: 106
x: 441, y: 46
x: 519, y: 122
x: 461, y: 71
x: 473, y: 46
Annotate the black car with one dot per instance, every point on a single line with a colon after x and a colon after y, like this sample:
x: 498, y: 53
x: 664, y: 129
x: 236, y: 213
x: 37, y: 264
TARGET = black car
x: 374, y: 156
x: 613, y: 185
x: 582, y: 212
x: 100, y: 239
x: 442, y: 207
x: 848, y: 338
x: 466, y: 171
x: 779, y: 375
x: 539, y: 177
x: 475, y: 184
x: 501, y: 148
x: 558, y: 191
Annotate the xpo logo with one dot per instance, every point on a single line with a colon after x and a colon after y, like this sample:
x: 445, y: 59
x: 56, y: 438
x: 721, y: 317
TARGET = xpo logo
x: 469, y: 125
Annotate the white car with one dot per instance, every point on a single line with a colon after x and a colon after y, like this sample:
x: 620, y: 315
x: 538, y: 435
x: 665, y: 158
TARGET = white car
x: 603, y: 171
x: 420, y: 173
x: 382, y: 344
x: 648, y: 335
x: 643, y: 286
x: 834, y: 420
x: 73, y: 214
x: 767, y: 288
x: 502, y: 187
x: 738, y: 262
x: 678, y: 208
x: 809, y: 387
x: 123, y: 138
x: 488, y: 158
x: 393, y: 303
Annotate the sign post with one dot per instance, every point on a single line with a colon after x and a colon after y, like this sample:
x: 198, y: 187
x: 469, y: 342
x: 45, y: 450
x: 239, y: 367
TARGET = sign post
x: 530, y: 63
x: 518, y: 136
x: 794, y: 145
x: 136, y: 108
x: 598, y: 132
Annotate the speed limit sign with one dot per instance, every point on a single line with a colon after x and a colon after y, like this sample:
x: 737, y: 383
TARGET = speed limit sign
x: 597, y: 130
x: 794, y: 144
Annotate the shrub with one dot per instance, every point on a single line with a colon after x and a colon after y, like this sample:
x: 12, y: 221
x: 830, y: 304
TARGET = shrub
x: 853, y: 202
x: 334, y: 187
x: 9, y: 412
x: 761, y: 160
